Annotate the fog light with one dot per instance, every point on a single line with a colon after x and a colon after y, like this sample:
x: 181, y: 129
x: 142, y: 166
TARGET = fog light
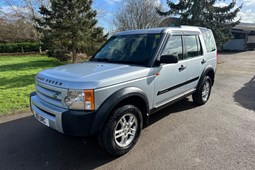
x: 88, y: 105
x: 68, y: 101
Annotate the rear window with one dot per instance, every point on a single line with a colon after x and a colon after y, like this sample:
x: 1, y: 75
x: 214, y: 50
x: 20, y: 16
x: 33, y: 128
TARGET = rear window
x: 209, y: 40
x: 193, y: 46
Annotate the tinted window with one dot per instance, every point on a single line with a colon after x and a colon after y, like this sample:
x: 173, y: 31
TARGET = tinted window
x: 174, y: 46
x: 209, y: 40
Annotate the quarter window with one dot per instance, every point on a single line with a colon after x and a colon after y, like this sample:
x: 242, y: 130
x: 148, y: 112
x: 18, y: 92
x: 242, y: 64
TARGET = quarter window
x: 174, y: 47
x: 209, y: 40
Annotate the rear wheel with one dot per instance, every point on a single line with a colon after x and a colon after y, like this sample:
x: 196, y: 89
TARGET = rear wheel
x: 201, y: 96
x: 122, y: 130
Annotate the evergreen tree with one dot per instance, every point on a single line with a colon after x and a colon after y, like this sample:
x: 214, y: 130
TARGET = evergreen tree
x: 69, y: 26
x: 204, y: 13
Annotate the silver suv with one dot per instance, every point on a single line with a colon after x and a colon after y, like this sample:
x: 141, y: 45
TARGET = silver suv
x: 133, y: 75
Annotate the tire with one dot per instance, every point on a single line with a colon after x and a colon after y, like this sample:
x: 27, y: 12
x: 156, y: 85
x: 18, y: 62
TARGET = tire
x: 202, y: 94
x: 122, y: 130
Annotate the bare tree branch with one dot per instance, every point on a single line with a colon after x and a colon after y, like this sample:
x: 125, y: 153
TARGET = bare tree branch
x: 134, y: 14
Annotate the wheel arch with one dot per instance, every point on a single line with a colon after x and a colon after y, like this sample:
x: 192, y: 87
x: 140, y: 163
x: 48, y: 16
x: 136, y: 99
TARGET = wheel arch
x: 208, y: 71
x: 129, y: 95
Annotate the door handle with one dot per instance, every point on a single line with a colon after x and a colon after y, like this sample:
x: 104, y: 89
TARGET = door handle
x: 203, y: 61
x: 182, y: 68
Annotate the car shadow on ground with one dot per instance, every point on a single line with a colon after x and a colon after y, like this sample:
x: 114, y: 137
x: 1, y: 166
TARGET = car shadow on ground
x: 27, y: 144
x: 245, y: 96
x: 180, y: 106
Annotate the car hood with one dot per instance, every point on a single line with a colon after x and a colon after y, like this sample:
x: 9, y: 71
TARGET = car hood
x: 91, y: 75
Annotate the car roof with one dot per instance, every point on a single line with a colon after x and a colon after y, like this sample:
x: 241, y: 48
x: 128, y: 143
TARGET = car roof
x: 161, y: 30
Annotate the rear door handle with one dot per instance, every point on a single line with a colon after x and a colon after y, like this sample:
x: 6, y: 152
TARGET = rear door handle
x: 182, y: 68
x: 203, y: 61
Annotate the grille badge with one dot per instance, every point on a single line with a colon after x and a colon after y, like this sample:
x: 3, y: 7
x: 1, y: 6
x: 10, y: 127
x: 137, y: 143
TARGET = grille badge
x: 55, y: 95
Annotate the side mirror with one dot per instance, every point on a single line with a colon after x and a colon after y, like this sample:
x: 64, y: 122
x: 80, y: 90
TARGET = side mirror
x: 169, y: 59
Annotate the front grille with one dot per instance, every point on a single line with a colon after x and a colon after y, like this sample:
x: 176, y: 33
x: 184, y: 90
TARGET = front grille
x: 50, y: 94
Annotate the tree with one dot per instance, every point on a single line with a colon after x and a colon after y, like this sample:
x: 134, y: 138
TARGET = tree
x: 134, y: 14
x: 23, y: 9
x: 18, y: 18
x: 69, y: 26
x: 17, y: 31
x: 204, y: 13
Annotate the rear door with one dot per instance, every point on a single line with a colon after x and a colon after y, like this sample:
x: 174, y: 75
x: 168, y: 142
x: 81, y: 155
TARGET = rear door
x: 196, y: 60
x: 171, y: 79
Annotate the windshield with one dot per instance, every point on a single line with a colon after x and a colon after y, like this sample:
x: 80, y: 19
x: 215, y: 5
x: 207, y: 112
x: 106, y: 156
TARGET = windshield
x: 129, y: 49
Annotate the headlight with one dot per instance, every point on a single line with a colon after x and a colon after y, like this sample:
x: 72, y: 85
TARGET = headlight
x: 80, y: 99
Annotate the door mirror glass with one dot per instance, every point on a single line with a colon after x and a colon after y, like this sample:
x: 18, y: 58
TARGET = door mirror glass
x: 169, y: 58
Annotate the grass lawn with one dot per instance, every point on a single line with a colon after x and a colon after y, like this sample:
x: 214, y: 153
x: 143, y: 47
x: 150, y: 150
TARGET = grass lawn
x: 17, y: 80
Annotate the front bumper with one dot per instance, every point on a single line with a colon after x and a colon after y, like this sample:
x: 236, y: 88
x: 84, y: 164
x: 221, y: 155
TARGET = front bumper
x: 71, y: 122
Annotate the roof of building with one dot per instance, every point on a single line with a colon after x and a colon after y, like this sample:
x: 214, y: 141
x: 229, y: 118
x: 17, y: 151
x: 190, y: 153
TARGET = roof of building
x: 246, y: 26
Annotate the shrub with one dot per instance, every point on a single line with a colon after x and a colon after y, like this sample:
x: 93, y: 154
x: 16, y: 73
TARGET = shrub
x: 59, y: 54
x: 19, y: 47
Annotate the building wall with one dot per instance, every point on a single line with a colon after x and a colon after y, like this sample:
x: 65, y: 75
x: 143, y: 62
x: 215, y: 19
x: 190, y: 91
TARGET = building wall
x: 235, y: 45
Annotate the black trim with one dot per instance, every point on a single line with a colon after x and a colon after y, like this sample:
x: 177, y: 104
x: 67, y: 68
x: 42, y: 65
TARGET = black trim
x: 155, y: 59
x: 77, y: 123
x: 31, y: 95
x: 154, y: 110
x: 111, y: 102
x: 177, y: 86
x: 204, y: 73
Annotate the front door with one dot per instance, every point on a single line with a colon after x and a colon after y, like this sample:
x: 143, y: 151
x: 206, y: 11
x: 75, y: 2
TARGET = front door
x: 171, y: 78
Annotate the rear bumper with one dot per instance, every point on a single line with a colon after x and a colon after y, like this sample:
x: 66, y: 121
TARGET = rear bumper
x: 63, y: 120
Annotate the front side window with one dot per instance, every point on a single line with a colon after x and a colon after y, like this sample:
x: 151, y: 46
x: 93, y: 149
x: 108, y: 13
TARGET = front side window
x: 174, y: 47
x: 134, y: 49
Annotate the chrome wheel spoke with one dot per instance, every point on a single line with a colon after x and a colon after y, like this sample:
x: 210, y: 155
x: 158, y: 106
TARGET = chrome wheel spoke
x: 119, y: 133
x: 131, y: 121
x: 123, y: 121
x: 125, y: 130
x: 204, y: 93
x: 206, y: 90
x: 132, y: 131
x: 124, y: 139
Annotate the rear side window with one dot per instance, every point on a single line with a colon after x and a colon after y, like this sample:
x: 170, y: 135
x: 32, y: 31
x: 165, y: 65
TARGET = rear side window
x: 193, y: 46
x: 209, y: 40
x: 174, y: 46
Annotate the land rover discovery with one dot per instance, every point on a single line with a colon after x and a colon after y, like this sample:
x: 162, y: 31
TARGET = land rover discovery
x: 133, y: 75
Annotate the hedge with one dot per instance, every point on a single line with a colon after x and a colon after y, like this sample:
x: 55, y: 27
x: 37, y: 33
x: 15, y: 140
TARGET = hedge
x: 19, y: 47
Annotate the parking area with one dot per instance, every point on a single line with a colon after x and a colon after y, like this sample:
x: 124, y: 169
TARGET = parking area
x: 218, y: 135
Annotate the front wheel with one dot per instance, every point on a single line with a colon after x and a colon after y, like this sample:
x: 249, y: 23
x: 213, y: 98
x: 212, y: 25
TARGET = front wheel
x: 122, y: 130
x: 202, y: 94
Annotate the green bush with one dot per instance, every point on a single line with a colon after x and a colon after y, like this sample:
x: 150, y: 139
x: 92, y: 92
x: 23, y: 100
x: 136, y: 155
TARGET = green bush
x: 59, y: 54
x: 19, y: 47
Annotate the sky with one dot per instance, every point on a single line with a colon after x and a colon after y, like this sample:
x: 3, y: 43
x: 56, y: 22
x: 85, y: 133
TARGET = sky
x: 106, y: 9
